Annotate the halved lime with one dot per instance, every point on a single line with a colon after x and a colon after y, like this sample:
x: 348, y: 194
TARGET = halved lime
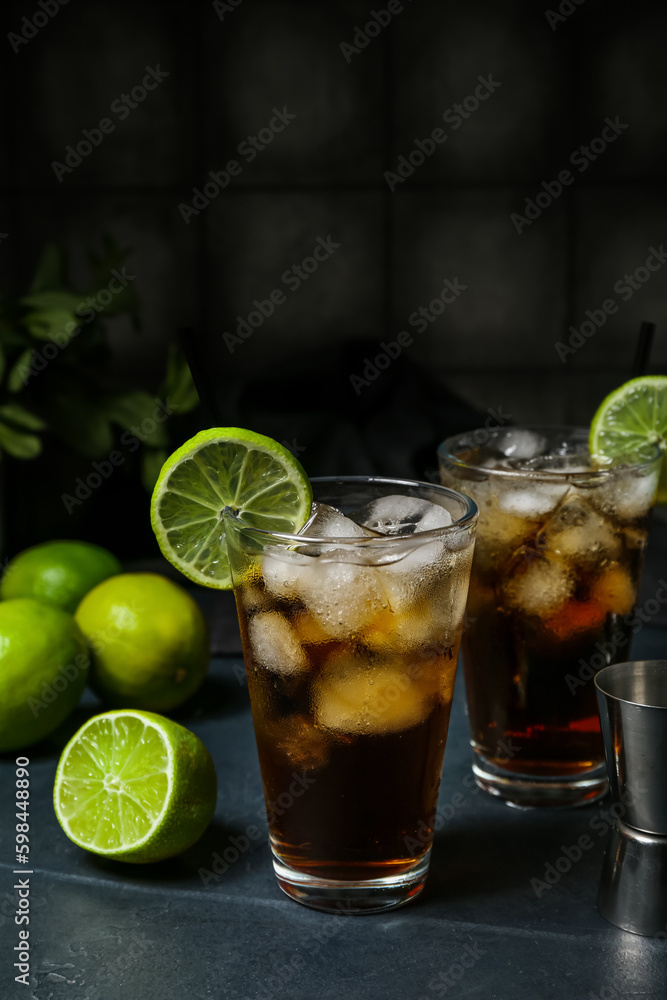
x: 631, y: 417
x: 224, y: 467
x: 134, y: 786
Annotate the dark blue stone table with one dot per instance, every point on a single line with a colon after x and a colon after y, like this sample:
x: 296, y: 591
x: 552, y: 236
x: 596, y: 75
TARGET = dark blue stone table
x: 213, y: 923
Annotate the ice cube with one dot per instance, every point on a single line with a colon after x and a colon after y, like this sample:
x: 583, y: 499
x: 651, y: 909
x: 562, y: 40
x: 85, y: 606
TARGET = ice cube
x: 274, y: 645
x: 499, y: 535
x: 537, y: 584
x: 533, y: 500
x: 328, y: 522
x: 283, y: 570
x: 401, y: 515
x: 615, y: 590
x: 309, y: 631
x: 431, y: 624
x: 520, y: 443
x: 306, y: 747
x: 352, y: 697
x: 341, y: 597
x: 430, y: 576
x: 252, y: 599
x: 626, y: 497
x: 579, y: 533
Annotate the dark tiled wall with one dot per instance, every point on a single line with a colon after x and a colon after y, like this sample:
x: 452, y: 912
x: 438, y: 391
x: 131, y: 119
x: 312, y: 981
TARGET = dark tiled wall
x: 324, y: 173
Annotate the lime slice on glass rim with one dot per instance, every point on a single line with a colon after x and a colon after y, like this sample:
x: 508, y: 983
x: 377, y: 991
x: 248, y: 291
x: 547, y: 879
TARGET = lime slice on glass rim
x: 134, y: 786
x: 631, y: 417
x: 218, y: 468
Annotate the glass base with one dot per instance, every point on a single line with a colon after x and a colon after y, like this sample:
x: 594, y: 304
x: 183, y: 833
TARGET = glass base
x: 355, y: 897
x: 524, y: 791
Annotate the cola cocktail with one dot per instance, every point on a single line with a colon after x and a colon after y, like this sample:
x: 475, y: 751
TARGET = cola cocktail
x: 351, y: 633
x: 557, y: 564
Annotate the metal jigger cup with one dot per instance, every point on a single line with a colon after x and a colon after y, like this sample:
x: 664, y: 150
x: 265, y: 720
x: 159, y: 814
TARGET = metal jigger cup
x: 633, y: 713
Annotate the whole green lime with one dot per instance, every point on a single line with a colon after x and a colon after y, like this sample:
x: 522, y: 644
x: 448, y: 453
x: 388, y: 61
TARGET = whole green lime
x: 43, y: 670
x: 58, y: 573
x: 149, y: 641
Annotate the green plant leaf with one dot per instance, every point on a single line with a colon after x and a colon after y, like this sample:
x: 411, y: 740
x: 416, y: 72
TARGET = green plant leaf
x: 152, y: 461
x: 18, y: 444
x: 21, y: 371
x: 50, y: 271
x: 65, y: 301
x: 179, y: 385
x: 141, y: 414
x: 3, y: 364
x: 16, y: 414
x: 52, y: 324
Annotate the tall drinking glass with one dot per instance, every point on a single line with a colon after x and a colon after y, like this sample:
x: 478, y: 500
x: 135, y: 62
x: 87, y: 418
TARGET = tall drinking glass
x: 553, y: 587
x: 350, y: 640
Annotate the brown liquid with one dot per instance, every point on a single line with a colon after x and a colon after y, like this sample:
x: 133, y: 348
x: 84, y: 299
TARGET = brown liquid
x: 366, y: 813
x: 531, y: 697
x: 351, y: 745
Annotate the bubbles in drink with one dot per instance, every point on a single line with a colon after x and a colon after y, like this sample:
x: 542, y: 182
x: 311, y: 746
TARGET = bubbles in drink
x: 274, y: 644
x: 341, y: 597
x: 282, y: 570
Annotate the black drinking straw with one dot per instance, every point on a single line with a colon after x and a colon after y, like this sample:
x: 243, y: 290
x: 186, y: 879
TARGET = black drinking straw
x: 643, y: 352
x: 190, y: 342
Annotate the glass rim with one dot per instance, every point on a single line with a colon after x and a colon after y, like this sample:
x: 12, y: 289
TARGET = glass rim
x: 463, y: 522
x: 606, y: 675
x: 445, y: 451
